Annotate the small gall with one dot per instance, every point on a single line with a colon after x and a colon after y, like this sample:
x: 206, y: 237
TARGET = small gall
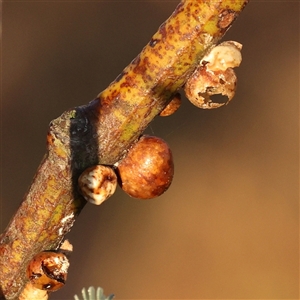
x: 48, y: 270
x: 97, y: 184
x: 173, y: 105
x: 214, y: 75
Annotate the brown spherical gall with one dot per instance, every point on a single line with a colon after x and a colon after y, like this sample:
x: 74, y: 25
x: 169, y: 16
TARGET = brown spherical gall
x: 147, y: 170
x: 48, y: 270
x: 97, y: 183
x: 173, y: 105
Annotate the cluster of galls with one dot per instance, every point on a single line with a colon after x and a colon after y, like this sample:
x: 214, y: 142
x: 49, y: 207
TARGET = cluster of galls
x: 144, y: 173
x: 147, y: 170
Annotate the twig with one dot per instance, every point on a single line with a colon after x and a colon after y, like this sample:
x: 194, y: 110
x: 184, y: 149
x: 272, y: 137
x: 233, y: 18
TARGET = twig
x: 102, y: 131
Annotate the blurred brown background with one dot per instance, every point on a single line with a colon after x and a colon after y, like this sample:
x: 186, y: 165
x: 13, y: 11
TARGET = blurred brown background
x: 228, y: 225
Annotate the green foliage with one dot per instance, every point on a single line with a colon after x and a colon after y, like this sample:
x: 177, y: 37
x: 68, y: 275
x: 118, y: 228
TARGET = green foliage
x: 92, y: 294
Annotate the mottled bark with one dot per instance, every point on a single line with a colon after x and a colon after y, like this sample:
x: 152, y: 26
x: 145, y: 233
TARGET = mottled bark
x: 102, y: 131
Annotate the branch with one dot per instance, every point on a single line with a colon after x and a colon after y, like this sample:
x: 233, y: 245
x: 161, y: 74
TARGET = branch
x: 102, y: 131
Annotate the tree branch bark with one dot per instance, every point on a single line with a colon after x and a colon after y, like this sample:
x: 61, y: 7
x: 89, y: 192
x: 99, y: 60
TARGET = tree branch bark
x: 102, y: 131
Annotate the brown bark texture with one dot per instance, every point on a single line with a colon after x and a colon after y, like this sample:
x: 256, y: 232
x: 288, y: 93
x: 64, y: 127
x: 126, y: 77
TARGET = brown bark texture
x: 103, y: 130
